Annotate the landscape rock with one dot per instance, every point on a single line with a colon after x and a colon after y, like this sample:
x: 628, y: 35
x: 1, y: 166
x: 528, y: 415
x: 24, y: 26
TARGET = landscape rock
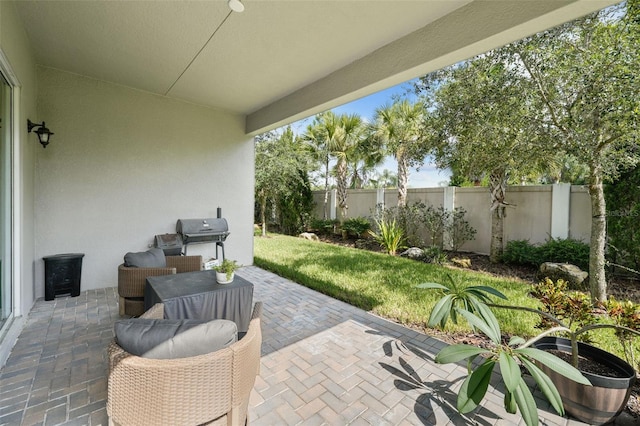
x: 413, y: 253
x: 574, y: 276
x: 309, y: 236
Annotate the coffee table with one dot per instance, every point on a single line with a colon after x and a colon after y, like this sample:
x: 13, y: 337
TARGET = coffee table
x: 197, y: 295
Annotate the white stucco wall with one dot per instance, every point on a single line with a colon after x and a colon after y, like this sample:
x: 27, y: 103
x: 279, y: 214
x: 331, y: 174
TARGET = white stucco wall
x: 124, y: 165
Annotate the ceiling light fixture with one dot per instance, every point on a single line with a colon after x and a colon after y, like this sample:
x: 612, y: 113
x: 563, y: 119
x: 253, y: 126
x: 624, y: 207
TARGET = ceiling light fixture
x: 236, y: 5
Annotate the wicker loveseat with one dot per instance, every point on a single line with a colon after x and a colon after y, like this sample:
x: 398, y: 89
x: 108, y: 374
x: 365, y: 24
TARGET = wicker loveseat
x: 210, y: 389
x: 131, y: 281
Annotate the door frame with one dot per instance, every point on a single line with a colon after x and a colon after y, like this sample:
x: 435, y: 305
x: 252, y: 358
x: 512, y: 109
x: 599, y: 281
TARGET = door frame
x: 15, y: 321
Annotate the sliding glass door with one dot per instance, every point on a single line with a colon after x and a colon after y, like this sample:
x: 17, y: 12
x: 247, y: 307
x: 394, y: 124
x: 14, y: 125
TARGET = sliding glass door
x: 6, y: 297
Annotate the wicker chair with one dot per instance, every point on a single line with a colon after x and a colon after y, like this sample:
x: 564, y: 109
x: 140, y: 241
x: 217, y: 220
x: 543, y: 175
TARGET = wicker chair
x: 210, y: 389
x: 131, y: 281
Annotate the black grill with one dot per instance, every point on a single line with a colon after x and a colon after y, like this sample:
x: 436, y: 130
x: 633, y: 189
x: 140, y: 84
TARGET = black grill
x: 200, y: 231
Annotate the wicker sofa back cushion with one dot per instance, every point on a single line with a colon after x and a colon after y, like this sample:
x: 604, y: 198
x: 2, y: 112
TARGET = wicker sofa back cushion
x: 164, y: 339
x: 152, y: 258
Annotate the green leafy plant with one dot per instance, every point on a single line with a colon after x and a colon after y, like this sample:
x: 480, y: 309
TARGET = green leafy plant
x: 435, y: 255
x: 458, y: 296
x: 627, y: 315
x: 323, y: 226
x: 472, y: 303
x: 565, y: 250
x: 436, y: 221
x: 574, y: 308
x: 573, y: 312
x: 356, y: 226
x: 390, y: 235
x: 459, y: 230
x: 521, y: 252
x: 568, y: 250
x: 227, y: 267
x: 623, y: 224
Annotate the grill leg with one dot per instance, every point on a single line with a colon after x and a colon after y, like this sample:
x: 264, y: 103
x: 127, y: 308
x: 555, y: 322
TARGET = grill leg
x: 222, y: 246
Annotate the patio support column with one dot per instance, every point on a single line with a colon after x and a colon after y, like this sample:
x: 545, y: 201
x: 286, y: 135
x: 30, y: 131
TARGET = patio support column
x: 449, y: 205
x: 560, y: 210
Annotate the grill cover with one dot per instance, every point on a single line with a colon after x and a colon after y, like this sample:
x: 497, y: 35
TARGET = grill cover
x: 202, y: 230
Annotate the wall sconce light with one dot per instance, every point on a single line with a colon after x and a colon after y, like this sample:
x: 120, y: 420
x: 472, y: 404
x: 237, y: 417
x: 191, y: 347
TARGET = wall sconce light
x: 43, y: 133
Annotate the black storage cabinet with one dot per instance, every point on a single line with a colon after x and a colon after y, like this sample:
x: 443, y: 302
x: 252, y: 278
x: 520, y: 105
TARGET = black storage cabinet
x: 62, y: 274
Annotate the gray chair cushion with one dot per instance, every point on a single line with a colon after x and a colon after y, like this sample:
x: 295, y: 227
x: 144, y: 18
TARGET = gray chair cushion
x: 163, y: 339
x: 202, y: 339
x: 152, y: 258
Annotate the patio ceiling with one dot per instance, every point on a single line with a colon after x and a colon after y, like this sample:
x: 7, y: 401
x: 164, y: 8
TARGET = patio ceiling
x: 278, y: 61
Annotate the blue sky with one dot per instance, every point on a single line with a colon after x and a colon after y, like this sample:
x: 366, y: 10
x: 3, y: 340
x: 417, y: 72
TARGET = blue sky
x: 428, y: 175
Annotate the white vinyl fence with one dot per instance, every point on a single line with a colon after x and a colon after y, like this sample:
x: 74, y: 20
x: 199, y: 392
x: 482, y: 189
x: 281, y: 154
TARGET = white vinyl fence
x: 536, y: 212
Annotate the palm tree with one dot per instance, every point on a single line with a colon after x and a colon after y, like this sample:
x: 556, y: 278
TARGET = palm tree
x: 319, y: 136
x: 367, y: 155
x: 349, y: 135
x: 399, y: 127
x: 387, y: 178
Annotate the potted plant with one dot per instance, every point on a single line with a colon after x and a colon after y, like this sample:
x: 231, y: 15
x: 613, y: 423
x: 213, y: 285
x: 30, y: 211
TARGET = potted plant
x: 550, y: 372
x: 613, y: 378
x: 225, y: 272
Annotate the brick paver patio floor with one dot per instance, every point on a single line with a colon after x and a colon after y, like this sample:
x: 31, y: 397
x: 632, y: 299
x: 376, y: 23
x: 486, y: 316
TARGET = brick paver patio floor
x: 323, y: 363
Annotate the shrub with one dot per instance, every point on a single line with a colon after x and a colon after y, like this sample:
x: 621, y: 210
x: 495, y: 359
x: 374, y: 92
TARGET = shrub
x: 623, y: 219
x: 433, y: 254
x: 436, y: 221
x: 356, y: 226
x: 323, y: 226
x: 565, y: 251
x: 572, y: 307
x: 459, y: 230
x: 521, y: 252
x: 409, y: 219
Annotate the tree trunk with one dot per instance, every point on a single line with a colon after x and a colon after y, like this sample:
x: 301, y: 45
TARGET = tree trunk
x: 597, y: 278
x: 497, y: 188
x: 326, y: 187
x: 263, y: 208
x: 341, y: 169
x: 403, y: 177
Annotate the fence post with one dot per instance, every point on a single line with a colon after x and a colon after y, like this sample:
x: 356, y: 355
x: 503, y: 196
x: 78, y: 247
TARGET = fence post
x: 560, y: 210
x: 449, y: 205
x: 379, y: 200
x: 333, y: 204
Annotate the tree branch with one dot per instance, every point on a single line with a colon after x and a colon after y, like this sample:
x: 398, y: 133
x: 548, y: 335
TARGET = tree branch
x: 545, y: 97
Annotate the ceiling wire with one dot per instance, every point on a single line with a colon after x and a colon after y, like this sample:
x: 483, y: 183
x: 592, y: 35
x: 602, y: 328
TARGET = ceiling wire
x: 198, y: 53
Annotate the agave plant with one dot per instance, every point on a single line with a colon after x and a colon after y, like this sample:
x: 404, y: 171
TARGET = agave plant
x: 456, y: 295
x: 471, y: 302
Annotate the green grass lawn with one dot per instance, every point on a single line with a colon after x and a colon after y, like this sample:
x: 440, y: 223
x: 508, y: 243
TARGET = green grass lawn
x: 385, y: 285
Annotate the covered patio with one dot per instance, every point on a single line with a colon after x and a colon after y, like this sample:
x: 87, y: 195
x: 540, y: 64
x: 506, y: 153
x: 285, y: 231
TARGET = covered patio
x: 154, y: 107
x: 323, y: 362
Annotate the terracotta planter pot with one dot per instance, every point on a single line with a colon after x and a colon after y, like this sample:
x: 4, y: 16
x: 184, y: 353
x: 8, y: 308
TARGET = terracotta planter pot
x: 606, y: 398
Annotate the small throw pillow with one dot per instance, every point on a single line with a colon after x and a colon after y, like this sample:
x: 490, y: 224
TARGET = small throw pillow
x: 159, y: 338
x: 202, y: 339
x: 152, y: 258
